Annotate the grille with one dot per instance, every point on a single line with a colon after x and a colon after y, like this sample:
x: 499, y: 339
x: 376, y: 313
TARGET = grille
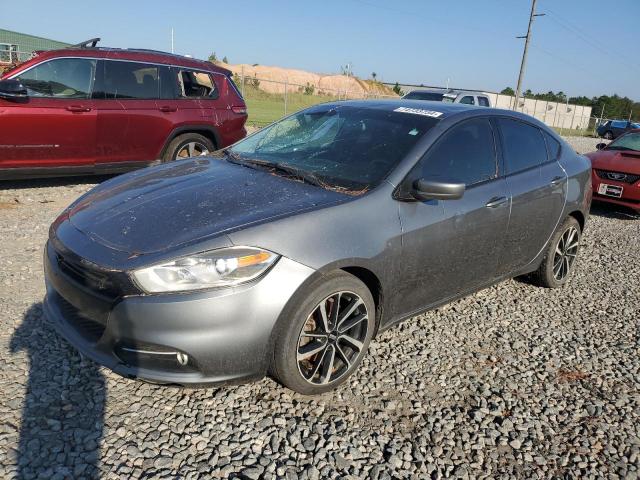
x: 90, y: 330
x: 109, y: 284
x: 618, y: 176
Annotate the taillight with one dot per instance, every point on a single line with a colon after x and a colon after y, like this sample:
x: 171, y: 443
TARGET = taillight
x: 239, y: 109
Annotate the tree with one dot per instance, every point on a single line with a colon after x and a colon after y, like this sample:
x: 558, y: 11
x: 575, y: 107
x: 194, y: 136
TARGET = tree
x: 225, y: 59
x: 508, y: 91
x: 374, y: 75
x: 397, y: 90
x: 213, y: 58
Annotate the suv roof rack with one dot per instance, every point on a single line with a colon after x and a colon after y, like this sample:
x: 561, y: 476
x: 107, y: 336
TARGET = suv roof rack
x: 91, y: 43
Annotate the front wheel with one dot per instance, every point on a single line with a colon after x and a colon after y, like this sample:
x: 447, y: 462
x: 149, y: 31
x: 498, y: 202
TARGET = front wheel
x: 608, y: 135
x: 326, y: 336
x: 188, y: 145
x: 560, y: 258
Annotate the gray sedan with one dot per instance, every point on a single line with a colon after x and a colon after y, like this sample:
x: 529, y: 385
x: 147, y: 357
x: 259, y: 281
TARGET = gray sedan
x: 288, y: 252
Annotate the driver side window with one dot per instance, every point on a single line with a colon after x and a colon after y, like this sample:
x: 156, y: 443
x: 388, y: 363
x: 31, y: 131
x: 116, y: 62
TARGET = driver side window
x: 61, y: 78
x: 466, y: 153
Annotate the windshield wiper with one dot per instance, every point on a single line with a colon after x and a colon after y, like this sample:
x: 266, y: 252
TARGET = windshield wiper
x: 289, y: 170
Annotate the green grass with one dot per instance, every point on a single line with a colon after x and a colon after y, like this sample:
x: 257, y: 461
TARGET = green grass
x: 264, y: 107
x: 574, y: 133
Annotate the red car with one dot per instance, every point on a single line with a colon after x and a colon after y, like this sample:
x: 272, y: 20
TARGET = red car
x: 103, y: 110
x: 616, y: 171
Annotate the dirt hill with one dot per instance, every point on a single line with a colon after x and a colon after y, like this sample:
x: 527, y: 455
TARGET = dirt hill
x: 272, y: 79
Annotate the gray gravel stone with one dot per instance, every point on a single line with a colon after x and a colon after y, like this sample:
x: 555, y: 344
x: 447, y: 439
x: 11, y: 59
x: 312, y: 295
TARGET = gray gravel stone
x: 511, y: 382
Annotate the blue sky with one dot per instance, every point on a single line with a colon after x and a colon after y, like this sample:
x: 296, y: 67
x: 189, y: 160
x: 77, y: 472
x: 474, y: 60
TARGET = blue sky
x: 580, y: 47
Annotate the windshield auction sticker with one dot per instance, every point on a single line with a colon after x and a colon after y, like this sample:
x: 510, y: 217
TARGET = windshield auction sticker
x: 419, y: 111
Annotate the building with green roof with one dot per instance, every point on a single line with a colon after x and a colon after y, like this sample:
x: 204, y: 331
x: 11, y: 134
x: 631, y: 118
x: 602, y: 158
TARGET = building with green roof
x: 15, y: 47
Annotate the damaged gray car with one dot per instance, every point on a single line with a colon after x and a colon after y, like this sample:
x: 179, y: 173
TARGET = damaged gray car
x: 287, y: 253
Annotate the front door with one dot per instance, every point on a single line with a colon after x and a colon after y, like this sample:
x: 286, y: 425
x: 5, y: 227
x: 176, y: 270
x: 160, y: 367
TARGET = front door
x: 451, y: 246
x: 56, y: 125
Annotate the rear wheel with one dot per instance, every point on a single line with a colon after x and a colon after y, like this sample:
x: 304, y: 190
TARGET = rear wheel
x: 326, y: 336
x: 560, y: 257
x: 188, y: 145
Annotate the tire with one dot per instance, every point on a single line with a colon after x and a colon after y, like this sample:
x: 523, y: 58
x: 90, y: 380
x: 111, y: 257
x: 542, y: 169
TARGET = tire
x: 563, y: 248
x: 193, y: 144
x: 608, y: 135
x: 325, y: 361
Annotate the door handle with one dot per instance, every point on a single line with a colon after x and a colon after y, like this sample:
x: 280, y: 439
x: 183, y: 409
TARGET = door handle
x: 168, y: 108
x: 496, y: 202
x: 557, y: 180
x: 78, y: 108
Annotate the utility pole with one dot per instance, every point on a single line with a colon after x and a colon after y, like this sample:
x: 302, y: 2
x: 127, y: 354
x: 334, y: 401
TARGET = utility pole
x: 527, y: 38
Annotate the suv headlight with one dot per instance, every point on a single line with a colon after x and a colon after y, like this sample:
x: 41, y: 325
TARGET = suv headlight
x: 216, y: 268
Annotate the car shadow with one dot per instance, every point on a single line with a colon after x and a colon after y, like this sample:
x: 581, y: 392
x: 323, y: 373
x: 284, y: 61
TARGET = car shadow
x: 52, y: 182
x: 610, y: 210
x: 63, y: 410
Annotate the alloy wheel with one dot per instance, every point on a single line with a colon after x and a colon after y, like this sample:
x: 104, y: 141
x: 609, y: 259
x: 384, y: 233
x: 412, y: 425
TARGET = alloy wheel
x: 332, y: 338
x: 565, y: 253
x: 191, y: 149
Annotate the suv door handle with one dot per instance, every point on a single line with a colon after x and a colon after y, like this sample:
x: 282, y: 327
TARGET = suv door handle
x: 168, y: 108
x: 557, y: 180
x: 78, y: 108
x: 496, y: 202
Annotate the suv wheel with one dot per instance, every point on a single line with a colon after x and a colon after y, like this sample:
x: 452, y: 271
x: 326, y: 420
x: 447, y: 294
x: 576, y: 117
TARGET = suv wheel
x: 327, y: 335
x: 188, y: 145
x: 608, y: 135
x: 561, y: 255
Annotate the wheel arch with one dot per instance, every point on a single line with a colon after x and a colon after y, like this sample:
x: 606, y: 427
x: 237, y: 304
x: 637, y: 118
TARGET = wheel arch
x: 205, y: 130
x: 372, y: 282
x: 580, y: 217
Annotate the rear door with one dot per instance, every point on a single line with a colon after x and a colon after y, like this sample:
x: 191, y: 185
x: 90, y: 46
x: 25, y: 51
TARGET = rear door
x: 56, y: 126
x: 537, y: 186
x: 132, y: 127
x: 452, y: 246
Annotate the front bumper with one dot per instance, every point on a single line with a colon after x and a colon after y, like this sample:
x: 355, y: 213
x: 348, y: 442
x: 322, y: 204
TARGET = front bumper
x: 225, y: 333
x: 630, y: 192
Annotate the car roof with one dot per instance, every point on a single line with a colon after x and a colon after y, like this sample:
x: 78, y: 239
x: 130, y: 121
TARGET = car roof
x: 446, y: 110
x: 141, y: 55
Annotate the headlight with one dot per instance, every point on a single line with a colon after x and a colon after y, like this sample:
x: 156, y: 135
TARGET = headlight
x: 217, y: 268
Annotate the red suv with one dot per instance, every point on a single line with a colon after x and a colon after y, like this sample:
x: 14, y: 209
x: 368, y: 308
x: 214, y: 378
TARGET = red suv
x: 101, y: 110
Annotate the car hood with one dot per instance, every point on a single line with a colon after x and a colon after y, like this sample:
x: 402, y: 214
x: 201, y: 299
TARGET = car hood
x: 162, y: 207
x: 616, y: 161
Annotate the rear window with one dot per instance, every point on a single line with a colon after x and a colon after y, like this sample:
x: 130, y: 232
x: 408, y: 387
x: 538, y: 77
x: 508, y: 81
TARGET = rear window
x: 524, y: 146
x: 619, y: 124
x: 483, y: 101
x: 418, y: 95
x: 128, y: 80
x: 553, y: 146
x: 196, y: 84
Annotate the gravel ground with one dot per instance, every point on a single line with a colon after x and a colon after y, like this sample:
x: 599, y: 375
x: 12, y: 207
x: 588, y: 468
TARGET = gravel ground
x: 514, y: 381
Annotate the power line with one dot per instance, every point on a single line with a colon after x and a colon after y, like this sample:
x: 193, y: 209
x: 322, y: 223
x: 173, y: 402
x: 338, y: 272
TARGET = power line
x: 568, y: 26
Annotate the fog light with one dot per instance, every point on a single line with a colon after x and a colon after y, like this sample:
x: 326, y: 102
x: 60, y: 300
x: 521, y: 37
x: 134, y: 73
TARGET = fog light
x: 182, y: 358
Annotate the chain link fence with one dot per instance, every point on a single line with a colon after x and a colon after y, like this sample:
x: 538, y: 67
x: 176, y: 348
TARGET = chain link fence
x: 268, y: 100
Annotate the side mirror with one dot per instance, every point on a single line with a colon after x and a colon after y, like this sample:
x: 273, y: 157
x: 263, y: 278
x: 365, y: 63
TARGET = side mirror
x: 13, y: 90
x: 434, y: 189
x: 600, y: 146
